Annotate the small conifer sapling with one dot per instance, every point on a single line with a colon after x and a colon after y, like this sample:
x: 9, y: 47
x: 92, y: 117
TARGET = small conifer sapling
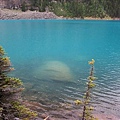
x: 10, y: 93
x: 87, y: 108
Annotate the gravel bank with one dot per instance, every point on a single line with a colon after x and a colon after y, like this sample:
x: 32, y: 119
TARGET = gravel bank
x: 13, y: 14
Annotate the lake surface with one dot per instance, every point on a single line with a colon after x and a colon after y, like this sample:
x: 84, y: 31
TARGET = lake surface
x: 51, y: 58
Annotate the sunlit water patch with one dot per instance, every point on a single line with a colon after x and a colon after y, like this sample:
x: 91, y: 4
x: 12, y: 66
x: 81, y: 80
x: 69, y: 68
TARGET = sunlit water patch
x: 51, y: 57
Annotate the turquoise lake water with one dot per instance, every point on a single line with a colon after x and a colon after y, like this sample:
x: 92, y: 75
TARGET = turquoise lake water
x: 51, y: 57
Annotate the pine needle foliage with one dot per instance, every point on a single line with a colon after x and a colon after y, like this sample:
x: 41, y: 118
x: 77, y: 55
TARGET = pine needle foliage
x: 11, y: 107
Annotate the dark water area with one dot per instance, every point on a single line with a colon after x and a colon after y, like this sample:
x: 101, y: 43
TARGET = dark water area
x: 51, y: 58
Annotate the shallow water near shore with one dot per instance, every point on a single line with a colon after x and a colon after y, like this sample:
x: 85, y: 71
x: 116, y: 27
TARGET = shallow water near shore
x: 51, y: 58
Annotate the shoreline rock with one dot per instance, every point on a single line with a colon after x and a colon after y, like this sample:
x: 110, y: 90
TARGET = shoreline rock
x: 54, y: 70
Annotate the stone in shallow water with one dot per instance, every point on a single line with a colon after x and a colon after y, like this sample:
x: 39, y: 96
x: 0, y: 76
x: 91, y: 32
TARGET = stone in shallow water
x: 54, y: 70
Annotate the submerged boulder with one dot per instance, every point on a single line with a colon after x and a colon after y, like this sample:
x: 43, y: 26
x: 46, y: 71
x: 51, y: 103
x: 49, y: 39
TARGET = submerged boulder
x: 54, y: 70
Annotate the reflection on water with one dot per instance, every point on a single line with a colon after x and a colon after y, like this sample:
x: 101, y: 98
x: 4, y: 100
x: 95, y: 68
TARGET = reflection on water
x: 51, y: 58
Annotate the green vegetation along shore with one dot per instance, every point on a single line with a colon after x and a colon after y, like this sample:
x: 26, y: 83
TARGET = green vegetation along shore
x: 76, y: 8
x: 63, y: 9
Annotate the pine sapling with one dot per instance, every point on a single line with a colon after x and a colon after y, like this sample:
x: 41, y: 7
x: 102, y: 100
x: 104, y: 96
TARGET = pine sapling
x: 87, y: 108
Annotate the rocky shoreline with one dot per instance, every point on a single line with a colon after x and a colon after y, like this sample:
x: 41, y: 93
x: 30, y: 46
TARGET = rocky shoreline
x: 6, y: 14
x: 15, y: 14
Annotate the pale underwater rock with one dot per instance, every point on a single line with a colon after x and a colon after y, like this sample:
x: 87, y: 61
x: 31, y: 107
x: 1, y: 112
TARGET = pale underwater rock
x: 54, y: 70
